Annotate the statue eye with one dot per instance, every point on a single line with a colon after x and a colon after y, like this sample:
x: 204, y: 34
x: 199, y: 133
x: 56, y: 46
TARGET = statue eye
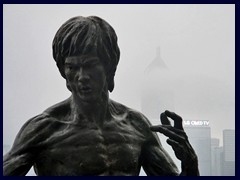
x: 70, y: 67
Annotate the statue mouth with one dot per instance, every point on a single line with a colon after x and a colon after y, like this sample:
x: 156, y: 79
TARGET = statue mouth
x: 85, y: 89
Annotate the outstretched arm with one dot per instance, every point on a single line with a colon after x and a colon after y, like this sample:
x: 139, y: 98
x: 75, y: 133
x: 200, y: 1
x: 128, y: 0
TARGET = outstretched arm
x: 179, y: 142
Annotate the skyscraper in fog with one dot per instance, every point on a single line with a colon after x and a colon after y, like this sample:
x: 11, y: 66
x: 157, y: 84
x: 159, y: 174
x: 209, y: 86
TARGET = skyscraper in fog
x: 216, y: 157
x: 228, y: 152
x: 158, y: 94
x: 157, y: 89
x: 199, y: 134
x: 218, y: 161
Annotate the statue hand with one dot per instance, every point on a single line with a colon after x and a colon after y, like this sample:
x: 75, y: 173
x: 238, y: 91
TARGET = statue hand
x: 177, y: 137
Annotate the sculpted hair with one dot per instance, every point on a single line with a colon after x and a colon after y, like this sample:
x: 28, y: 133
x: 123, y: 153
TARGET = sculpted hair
x: 80, y: 35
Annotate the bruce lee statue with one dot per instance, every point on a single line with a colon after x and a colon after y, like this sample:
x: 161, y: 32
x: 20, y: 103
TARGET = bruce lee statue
x: 88, y: 133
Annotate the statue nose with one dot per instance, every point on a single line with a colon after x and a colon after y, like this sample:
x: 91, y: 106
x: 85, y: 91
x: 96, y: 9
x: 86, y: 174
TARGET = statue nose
x: 82, y: 75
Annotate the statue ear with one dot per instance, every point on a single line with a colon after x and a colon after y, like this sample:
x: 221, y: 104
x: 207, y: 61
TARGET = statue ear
x: 68, y: 86
x: 111, y: 84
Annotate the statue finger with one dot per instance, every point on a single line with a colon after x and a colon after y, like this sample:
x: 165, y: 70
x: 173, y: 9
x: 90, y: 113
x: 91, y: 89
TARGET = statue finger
x: 158, y: 127
x: 173, y: 143
x: 168, y: 133
x: 178, y: 149
x: 176, y: 118
x: 164, y: 119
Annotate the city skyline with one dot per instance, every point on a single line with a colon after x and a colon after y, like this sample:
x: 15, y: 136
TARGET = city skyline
x: 157, y: 96
x: 160, y: 92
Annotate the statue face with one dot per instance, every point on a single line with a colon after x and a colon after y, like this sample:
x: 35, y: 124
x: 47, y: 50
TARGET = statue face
x: 85, y: 76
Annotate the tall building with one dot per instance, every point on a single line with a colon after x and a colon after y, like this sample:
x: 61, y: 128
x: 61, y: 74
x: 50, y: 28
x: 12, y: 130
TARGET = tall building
x: 157, y: 88
x: 228, y: 152
x: 199, y: 134
x: 216, y: 157
x: 219, y: 161
x: 158, y: 95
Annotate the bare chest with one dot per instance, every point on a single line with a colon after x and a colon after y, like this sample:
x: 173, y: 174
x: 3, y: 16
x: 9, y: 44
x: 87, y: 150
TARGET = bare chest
x: 112, y: 149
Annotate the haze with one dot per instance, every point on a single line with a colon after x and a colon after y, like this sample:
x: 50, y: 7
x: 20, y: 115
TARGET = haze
x: 197, y: 43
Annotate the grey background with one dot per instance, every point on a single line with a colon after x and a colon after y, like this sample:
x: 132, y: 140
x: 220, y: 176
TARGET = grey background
x: 197, y: 44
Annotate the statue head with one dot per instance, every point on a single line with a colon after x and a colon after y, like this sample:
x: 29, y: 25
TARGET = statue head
x: 81, y: 35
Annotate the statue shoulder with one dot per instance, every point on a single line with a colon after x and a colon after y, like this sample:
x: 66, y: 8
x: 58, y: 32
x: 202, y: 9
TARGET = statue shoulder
x: 58, y: 110
x: 139, y: 120
x: 30, y: 134
x: 136, y: 118
x: 37, y: 129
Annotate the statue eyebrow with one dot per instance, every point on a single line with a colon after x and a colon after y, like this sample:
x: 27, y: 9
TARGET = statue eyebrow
x: 72, y: 61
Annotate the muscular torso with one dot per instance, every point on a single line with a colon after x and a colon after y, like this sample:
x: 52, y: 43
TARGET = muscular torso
x: 56, y: 145
x: 87, y: 149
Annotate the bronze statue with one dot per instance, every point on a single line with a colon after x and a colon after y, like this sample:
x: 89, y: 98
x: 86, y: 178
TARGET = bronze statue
x: 88, y: 133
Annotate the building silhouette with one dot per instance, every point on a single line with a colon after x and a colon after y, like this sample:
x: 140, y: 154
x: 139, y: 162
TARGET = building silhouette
x: 158, y: 95
x: 216, y: 157
x: 199, y: 135
x: 218, y: 163
x: 223, y: 157
x: 228, y: 152
x: 157, y: 89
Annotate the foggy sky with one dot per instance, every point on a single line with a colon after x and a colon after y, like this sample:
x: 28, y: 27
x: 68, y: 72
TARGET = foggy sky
x: 197, y: 43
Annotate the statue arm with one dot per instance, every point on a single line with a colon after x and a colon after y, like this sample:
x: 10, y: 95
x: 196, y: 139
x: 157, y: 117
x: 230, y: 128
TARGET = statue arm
x: 155, y: 160
x: 16, y: 165
x: 178, y: 139
x: 19, y: 160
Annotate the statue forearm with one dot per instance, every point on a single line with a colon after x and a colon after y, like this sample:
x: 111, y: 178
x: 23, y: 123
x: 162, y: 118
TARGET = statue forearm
x: 190, y: 168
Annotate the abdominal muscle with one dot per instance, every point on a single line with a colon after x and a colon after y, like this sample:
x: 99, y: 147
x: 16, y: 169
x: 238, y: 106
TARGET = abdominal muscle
x: 96, y: 152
